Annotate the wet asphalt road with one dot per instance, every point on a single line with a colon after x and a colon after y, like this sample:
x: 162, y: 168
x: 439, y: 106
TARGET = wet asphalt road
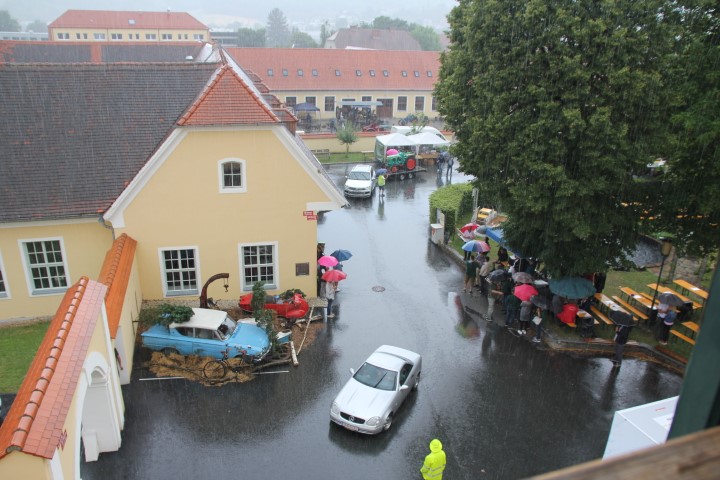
x: 504, y: 408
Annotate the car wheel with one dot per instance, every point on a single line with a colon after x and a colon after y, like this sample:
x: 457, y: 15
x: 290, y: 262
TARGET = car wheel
x: 388, y: 423
x: 417, y: 382
x: 411, y: 175
x: 170, y: 350
x: 402, y: 176
x: 214, y: 370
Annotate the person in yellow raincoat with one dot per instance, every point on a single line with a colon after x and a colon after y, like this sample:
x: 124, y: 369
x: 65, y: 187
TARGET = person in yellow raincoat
x: 434, y: 462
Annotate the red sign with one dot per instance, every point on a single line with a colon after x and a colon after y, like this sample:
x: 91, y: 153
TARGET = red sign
x: 312, y: 217
x: 308, y: 213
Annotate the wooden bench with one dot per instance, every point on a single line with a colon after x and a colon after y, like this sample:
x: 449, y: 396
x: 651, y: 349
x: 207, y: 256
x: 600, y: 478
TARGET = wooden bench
x: 630, y: 308
x: 322, y: 151
x: 682, y: 337
x: 692, y: 326
x: 600, y: 316
x: 689, y: 287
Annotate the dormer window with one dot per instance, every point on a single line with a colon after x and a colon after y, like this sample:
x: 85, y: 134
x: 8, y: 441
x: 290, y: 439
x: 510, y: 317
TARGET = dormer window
x: 358, y: 73
x: 404, y: 73
x: 372, y: 73
x: 314, y: 72
x: 285, y: 72
x: 386, y: 73
x: 337, y: 73
x: 270, y: 72
x: 429, y: 73
x: 300, y: 72
x: 417, y: 74
x: 232, y: 177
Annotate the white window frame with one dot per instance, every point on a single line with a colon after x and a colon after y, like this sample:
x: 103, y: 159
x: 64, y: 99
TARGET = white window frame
x: 198, y: 36
x: 167, y: 292
x: 27, y: 267
x: 4, y: 294
x: 221, y: 176
x: 150, y: 36
x: 98, y: 36
x: 248, y: 286
x: 166, y: 37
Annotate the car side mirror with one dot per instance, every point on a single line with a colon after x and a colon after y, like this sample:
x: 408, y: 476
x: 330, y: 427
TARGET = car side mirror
x: 352, y: 371
x: 404, y: 387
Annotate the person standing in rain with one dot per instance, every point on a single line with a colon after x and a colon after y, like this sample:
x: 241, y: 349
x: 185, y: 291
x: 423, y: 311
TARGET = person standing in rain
x: 381, y: 184
x: 450, y: 161
x: 328, y: 294
x: 622, y: 333
x: 434, y: 464
x: 471, y: 267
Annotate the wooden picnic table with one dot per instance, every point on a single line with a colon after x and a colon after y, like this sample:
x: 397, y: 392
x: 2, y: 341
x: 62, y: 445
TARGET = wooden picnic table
x: 632, y: 294
x: 689, y: 287
x: 692, y: 326
x: 609, y: 303
x: 682, y: 297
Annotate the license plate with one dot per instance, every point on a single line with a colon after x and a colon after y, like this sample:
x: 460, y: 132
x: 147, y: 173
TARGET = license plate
x: 350, y: 427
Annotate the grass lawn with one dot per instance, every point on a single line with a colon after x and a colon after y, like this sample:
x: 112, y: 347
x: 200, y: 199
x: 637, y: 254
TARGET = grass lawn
x: 18, y: 345
x: 352, y: 157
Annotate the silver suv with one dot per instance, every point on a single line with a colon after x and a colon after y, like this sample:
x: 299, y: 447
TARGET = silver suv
x: 361, y: 181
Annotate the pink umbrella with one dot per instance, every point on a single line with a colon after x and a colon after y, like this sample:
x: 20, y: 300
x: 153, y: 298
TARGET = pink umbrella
x: 334, y: 275
x: 391, y: 152
x: 524, y: 292
x: 327, y: 261
x: 483, y: 246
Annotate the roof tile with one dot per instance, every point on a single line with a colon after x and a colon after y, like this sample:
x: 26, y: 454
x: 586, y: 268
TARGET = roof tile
x: 126, y: 19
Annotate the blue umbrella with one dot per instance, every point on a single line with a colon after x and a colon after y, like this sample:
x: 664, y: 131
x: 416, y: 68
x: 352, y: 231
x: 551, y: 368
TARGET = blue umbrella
x: 381, y: 171
x: 341, y: 255
x: 572, y: 287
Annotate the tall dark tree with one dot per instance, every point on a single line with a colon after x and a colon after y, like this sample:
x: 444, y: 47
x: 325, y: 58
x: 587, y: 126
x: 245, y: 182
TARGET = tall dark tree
x: 277, y: 32
x: 555, y: 105
x: 426, y: 37
x: 387, y: 23
x: 249, y: 37
x: 325, y: 33
x: 689, y: 189
x: 7, y: 23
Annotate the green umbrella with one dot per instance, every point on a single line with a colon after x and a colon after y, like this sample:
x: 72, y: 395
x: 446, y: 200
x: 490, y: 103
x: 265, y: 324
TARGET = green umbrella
x: 572, y: 287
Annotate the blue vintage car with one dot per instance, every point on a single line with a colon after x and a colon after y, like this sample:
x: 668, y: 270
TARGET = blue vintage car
x: 209, y: 333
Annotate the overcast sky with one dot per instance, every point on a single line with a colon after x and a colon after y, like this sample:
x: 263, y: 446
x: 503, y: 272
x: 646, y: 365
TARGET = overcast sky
x: 220, y: 13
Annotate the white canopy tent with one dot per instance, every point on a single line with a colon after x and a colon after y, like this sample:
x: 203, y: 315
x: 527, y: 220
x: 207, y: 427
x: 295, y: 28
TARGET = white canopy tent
x: 427, y: 138
x: 383, y: 142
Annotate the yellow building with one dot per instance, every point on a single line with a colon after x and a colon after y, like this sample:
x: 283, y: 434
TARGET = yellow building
x: 188, y: 159
x: 103, y: 25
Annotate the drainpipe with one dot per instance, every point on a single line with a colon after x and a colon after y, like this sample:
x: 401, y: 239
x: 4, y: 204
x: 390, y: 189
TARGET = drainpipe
x: 101, y: 221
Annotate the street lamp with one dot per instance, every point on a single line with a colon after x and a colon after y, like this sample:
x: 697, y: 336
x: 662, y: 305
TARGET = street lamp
x: 665, y: 249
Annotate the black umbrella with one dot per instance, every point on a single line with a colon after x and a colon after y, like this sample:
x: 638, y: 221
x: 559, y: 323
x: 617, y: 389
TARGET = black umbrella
x: 498, y: 275
x: 621, y: 318
x: 540, y: 301
x: 671, y: 299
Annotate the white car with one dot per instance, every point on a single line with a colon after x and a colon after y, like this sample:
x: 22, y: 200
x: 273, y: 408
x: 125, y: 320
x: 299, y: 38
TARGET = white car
x: 361, y: 181
x: 370, y: 399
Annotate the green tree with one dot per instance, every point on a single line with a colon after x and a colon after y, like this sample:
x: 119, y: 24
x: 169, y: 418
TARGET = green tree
x: 38, y: 26
x: 347, y: 135
x: 7, y: 23
x: 302, y: 40
x: 689, y: 191
x: 554, y: 106
x: 387, y: 23
x: 250, y: 37
x: 263, y: 316
x: 426, y: 37
x: 277, y: 32
x: 325, y: 33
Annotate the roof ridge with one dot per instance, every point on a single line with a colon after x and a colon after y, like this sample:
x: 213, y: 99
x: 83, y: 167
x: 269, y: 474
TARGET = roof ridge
x: 23, y: 421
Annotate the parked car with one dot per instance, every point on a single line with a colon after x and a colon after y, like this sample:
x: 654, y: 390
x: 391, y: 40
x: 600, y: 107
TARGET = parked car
x: 361, y: 181
x: 370, y: 399
x: 292, y: 309
x: 209, y: 333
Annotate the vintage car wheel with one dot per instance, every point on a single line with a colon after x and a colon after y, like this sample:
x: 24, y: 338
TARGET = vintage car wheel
x: 388, y: 423
x: 169, y: 351
x: 402, y: 176
x: 214, y: 370
x: 411, y: 174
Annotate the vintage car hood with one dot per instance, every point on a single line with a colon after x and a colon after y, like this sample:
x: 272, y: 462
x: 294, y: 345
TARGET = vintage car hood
x: 362, y: 401
x: 249, y: 337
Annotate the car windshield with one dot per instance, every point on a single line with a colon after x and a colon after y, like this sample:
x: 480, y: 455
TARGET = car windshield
x: 376, y: 377
x: 359, y: 176
x: 226, y: 328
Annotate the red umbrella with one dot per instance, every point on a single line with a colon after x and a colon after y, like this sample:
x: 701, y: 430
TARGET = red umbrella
x: 334, y: 275
x: 524, y: 292
x: 469, y: 227
x: 327, y: 261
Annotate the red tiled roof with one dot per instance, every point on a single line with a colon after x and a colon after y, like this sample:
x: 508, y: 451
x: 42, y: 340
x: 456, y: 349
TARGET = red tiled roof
x: 228, y: 100
x: 118, y: 19
x: 327, y: 61
x: 115, y: 275
x: 36, y: 418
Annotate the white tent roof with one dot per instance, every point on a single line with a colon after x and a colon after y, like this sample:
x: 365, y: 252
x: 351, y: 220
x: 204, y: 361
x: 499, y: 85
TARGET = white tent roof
x: 396, y: 140
x: 427, y: 138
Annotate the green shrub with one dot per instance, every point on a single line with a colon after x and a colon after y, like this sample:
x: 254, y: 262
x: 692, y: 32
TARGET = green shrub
x: 453, y: 201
